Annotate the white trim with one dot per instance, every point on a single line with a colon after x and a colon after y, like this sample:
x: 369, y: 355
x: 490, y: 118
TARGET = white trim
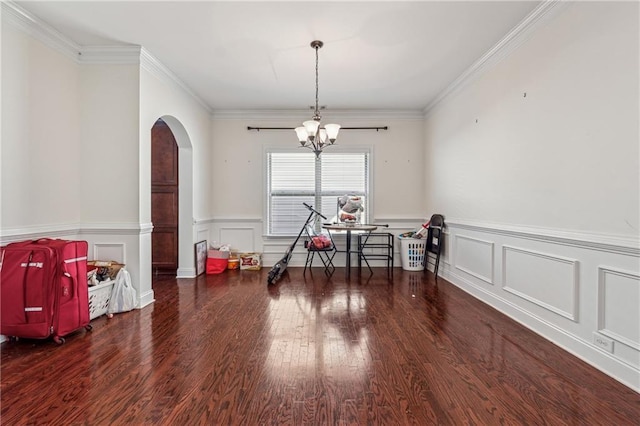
x: 602, y: 242
x: 123, y: 251
x: 146, y: 299
x: 518, y: 35
x: 229, y: 220
x: 601, y: 326
x: 491, y: 246
x: 158, y: 69
x: 186, y: 273
x: 109, y: 55
x: 39, y: 29
x: 9, y: 235
x: 573, y: 313
x: 130, y: 54
x: 116, y: 228
x: 584, y: 350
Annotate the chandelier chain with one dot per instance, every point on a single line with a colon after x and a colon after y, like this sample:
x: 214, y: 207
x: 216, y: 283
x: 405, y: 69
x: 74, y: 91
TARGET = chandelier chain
x: 317, y: 113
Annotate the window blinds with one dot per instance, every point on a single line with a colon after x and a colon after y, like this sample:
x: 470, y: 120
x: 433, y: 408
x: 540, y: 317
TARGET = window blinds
x: 294, y: 178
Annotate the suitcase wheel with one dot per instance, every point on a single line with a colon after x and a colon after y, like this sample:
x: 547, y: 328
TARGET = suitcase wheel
x: 13, y: 338
x: 88, y: 327
x: 59, y: 340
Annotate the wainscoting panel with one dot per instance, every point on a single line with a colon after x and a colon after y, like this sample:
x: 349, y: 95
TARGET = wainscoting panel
x: 202, y: 234
x: 241, y: 239
x: 619, y: 306
x: 555, y: 282
x: 474, y: 257
x: 110, y: 251
x: 543, y: 279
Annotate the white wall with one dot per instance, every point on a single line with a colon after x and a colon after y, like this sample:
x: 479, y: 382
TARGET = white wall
x: 189, y: 120
x: 40, y: 135
x: 542, y: 193
x: 566, y: 156
x: 109, y: 123
x: 76, y: 146
x: 238, y: 161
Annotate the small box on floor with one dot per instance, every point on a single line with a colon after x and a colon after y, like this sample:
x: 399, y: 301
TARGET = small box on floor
x: 250, y: 261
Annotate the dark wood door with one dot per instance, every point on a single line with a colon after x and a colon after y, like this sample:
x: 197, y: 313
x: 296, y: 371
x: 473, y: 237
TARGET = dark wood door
x: 164, y: 199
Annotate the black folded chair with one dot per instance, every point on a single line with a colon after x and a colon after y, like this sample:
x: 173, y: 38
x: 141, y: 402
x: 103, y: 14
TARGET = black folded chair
x: 320, y: 245
x: 435, y: 241
x: 376, y: 245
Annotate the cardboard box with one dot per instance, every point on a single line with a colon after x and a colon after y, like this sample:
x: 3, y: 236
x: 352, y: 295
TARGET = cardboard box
x: 250, y: 261
x: 106, y: 268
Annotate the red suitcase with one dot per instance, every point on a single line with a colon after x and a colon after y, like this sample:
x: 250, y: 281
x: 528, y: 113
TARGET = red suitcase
x: 43, y: 289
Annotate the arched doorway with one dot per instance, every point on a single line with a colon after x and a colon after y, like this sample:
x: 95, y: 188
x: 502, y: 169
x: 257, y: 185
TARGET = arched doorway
x: 185, y: 224
x: 164, y: 200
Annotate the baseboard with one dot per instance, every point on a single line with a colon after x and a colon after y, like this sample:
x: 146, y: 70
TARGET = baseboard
x: 585, y: 351
x: 146, y: 299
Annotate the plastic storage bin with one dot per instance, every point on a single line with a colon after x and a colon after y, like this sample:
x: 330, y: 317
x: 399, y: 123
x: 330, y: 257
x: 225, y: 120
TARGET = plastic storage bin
x: 412, y: 252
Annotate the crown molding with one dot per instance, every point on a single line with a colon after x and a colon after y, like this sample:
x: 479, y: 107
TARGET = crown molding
x: 158, y: 69
x: 96, y: 55
x: 40, y: 30
x: 296, y: 114
x: 120, y: 55
x: 547, y: 10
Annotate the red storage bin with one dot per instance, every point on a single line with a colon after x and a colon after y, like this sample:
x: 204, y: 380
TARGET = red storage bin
x: 216, y: 266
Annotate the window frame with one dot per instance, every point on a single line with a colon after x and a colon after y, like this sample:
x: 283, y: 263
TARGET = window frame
x: 366, y: 150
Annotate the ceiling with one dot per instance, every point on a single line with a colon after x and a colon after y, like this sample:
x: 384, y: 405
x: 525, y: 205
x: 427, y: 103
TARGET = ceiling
x: 239, y: 55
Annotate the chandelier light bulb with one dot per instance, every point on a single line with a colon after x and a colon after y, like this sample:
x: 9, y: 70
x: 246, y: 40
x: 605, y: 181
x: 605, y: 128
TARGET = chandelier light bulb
x: 312, y: 127
x: 332, y: 131
x: 302, y: 135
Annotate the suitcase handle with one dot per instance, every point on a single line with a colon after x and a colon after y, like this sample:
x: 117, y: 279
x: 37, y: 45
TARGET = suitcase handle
x: 43, y: 240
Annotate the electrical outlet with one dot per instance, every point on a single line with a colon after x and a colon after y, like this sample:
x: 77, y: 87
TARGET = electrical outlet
x: 603, y: 342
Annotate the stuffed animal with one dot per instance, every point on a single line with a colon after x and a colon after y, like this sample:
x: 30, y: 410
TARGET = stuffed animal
x: 350, y: 208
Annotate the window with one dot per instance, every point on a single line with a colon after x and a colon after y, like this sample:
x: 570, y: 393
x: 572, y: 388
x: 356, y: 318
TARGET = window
x: 297, y: 177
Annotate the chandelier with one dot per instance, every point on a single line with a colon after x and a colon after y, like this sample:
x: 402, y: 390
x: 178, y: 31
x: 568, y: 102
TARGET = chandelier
x: 311, y: 135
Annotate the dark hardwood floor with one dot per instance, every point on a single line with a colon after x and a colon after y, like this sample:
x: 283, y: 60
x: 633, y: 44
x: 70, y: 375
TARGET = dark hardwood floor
x: 228, y: 349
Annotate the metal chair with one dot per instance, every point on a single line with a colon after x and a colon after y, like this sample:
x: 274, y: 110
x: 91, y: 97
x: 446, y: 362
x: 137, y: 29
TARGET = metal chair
x: 376, y: 246
x: 435, y: 241
x: 322, y: 245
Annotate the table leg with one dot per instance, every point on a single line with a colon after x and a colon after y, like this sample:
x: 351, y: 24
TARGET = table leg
x: 348, y: 263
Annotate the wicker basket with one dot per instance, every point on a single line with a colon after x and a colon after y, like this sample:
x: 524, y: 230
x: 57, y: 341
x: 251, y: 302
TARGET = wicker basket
x: 99, y: 296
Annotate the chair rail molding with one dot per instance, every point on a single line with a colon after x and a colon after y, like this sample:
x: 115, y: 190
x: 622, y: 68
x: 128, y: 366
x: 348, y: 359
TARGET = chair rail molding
x: 602, y: 242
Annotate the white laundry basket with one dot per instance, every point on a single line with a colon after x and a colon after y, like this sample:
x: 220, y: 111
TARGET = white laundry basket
x: 99, y: 296
x: 412, y: 251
